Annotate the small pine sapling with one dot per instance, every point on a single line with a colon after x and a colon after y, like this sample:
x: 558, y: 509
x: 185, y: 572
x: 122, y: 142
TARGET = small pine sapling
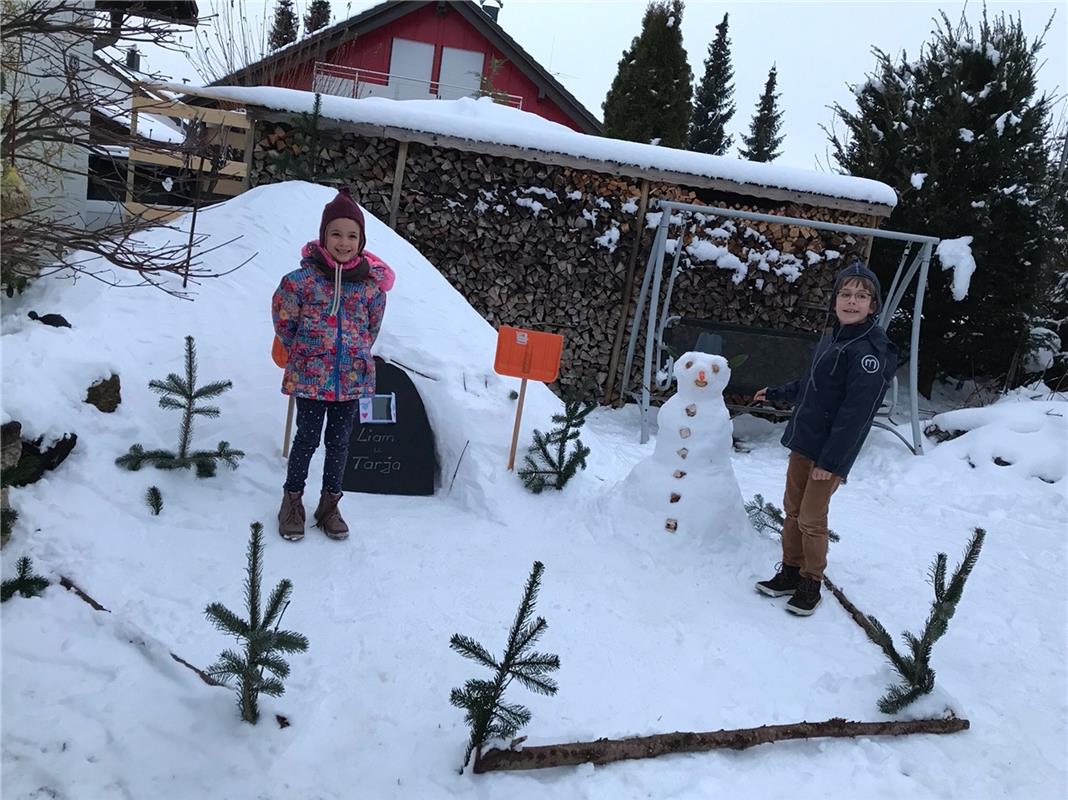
x: 487, y: 713
x: 25, y: 582
x: 768, y: 517
x: 548, y: 462
x: 183, y: 395
x: 917, y: 677
x: 263, y: 643
x: 154, y: 499
x: 8, y: 518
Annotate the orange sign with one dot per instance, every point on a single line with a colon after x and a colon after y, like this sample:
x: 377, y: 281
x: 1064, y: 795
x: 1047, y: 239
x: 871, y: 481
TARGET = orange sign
x: 531, y: 355
x: 278, y: 353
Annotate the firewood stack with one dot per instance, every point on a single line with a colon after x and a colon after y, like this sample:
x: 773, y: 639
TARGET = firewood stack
x: 548, y: 247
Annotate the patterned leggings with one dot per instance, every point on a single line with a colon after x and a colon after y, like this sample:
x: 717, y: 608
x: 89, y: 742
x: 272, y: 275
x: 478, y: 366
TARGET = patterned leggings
x: 339, y: 418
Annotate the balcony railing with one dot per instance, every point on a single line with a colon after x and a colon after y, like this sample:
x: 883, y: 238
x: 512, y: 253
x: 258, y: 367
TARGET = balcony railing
x: 342, y: 81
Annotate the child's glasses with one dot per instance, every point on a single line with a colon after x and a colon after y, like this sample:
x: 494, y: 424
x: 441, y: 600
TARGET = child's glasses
x: 862, y: 297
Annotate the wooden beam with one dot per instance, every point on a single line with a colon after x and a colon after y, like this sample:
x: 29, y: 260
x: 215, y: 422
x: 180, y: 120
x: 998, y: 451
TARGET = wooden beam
x: 130, y: 168
x: 250, y: 148
x: 173, y: 108
x: 628, y: 291
x: 229, y: 187
x: 398, y: 180
x: 594, y: 165
x: 873, y: 222
x: 230, y: 168
x: 154, y: 213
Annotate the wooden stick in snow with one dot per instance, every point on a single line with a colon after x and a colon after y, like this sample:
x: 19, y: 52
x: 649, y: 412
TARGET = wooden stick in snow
x: 858, y: 616
x: 604, y: 751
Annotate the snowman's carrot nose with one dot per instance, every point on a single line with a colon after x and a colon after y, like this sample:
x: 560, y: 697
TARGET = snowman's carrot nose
x: 701, y: 375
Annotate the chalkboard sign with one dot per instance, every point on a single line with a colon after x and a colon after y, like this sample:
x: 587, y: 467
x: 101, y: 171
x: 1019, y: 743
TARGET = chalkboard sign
x: 392, y: 446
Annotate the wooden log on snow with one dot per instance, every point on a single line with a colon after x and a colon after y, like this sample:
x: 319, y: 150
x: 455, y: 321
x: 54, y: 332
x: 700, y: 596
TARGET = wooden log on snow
x: 604, y: 751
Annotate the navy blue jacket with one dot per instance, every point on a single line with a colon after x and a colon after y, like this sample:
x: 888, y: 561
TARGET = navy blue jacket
x: 836, y: 399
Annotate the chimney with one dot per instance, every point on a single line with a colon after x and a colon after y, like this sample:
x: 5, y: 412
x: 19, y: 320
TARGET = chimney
x: 492, y: 8
x: 133, y: 59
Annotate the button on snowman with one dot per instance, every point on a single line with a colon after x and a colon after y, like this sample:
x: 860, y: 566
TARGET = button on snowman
x: 689, y: 477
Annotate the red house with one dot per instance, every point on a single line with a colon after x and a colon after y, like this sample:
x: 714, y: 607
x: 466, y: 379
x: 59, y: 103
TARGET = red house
x: 420, y: 50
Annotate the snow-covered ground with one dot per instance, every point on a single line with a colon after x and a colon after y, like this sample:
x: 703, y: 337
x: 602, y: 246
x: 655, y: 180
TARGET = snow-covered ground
x: 656, y: 633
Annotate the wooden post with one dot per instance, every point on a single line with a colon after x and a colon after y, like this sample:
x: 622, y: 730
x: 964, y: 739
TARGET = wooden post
x: 398, y: 180
x: 628, y: 290
x: 129, y: 154
x: 250, y: 147
x: 289, y: 426
x: 873, y: 222
x: 515, y: 430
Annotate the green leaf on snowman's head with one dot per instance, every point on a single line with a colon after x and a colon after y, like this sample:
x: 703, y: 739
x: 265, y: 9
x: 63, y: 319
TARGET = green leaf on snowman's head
x: 736, y: 361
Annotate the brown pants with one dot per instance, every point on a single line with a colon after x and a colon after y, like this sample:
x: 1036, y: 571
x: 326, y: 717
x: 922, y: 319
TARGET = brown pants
x: 804, y: 533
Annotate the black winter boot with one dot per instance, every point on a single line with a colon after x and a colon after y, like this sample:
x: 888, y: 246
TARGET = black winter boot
x: 805, y: 599
x: 785, y: 582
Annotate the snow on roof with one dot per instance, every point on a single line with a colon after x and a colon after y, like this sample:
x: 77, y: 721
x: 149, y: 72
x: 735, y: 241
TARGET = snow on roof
x: 482, y: 120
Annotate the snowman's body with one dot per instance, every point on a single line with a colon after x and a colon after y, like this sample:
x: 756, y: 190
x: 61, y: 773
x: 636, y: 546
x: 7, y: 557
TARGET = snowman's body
x: 689, y: 481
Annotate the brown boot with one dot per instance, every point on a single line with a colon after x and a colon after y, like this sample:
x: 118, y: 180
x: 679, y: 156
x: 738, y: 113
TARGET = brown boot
x: 291, y: 516
x: 328, y: 518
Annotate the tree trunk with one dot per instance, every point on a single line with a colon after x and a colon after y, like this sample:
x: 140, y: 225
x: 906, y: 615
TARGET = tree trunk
x: 604, y: 751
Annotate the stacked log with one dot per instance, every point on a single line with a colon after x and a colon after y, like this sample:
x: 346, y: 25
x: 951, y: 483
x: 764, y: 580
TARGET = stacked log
x: 547, y: 247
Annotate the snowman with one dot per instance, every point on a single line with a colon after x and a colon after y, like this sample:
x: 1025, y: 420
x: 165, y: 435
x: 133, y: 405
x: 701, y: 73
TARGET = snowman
x: 688, y: 481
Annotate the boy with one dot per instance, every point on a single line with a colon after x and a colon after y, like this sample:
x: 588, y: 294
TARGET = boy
x: 834, y: 404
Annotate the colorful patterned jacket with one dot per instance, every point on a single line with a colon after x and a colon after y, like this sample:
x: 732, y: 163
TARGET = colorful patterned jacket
x: 330, y: 354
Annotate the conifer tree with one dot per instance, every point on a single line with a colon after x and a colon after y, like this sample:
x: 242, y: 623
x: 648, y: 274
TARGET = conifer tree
x: 154, y: 499
x: 917, y: 676
x: 25, y: 582
x: 308, y: 134
x: 263, y: 642
x: 183, y: 395
x: 483, y: 700
x: 649, y: 100
x: 762, y: 143
x: 8, y: 517
x: 549, y: 462
x: 284, y: 27
x: 968, y: 115
x: 713, y: 105
x: 318, y: 16
x: 768, y: 518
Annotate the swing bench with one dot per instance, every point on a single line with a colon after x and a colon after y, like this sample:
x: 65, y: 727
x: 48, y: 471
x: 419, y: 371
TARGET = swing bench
x: 772, y: 356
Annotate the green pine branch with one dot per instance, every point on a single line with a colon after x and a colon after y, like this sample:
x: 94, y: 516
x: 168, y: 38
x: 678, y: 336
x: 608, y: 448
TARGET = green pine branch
x: 263, y: 641
x: 555, y: 457
x: 914, y: 667
x: 25, y: 582
x: 769, y: 518
x: 154, y: 499
x: 488, y: 716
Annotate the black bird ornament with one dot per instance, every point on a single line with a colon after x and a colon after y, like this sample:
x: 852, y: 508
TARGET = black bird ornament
x: 55, y: 320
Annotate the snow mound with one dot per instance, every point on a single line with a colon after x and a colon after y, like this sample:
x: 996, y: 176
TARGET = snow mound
x: 1021, y: 437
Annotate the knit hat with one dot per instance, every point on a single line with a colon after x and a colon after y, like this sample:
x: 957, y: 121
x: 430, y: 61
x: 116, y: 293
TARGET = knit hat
x: 342, y: 207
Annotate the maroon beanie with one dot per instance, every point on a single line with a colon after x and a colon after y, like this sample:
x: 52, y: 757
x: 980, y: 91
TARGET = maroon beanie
x: 342, y: 207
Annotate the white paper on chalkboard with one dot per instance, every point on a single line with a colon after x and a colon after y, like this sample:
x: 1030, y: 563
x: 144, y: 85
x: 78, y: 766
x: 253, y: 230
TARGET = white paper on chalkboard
x: 378, y: 410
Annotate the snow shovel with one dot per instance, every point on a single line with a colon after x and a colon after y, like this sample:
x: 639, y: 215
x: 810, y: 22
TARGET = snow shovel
x: 281, y: 358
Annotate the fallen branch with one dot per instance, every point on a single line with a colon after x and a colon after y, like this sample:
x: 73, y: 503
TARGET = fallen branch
x: 858, y: 616
x: 604, y: 751
x: 68, y: 584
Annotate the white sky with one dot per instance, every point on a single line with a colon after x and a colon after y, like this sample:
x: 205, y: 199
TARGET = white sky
x: 818, y: 47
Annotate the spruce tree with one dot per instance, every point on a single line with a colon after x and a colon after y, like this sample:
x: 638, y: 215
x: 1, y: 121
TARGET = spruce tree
x: 549, y: 463
x: 649, y: 100
x: 483, y: 700
x: 318, y: 16
x: 917, y: 676
x: 263, y: 642
x: 762, y: 143
x: 713, y: 106
x: 966, y: 112
x: 183, y: 395
x: 25, y: 582
x: 284, y: 27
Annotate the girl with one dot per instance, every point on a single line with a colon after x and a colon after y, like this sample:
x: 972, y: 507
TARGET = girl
x: 327, y: 315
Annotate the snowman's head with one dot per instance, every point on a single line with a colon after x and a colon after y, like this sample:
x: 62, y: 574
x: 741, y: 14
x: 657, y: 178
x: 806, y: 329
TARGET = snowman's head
x: 702, y: 374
